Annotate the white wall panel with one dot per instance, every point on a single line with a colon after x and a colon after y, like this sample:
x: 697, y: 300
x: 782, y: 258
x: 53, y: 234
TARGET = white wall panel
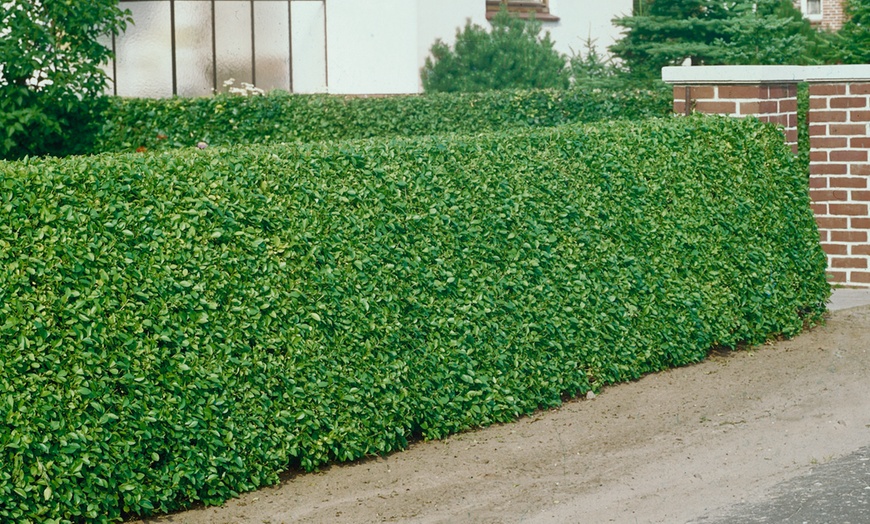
x: 272, y: 39
x: 193, y: 48
x: 309, y: 52
x: 372, y: 46
x: 233, y: 42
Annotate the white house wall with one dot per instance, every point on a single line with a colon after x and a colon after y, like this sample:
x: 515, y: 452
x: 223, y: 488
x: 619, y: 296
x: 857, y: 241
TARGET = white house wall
x: 580, y: 20
x: 372, y: 46
x: 309, y: 53
x: 338, y: 46
x: 379, y: 46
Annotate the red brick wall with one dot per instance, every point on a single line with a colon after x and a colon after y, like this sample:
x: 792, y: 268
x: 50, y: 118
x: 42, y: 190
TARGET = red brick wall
x: 770, y: 103
x: 839, y: 122
x: 833, y: 14
x: 839, y: 173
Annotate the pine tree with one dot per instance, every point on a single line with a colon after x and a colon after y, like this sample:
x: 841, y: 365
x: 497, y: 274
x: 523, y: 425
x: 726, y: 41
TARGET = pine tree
x: 668, y: 32
x: 853, y: 40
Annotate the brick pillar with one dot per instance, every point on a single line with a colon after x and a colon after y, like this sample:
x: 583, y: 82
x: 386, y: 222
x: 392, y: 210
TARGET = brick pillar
x: 840, y: 176
x: 839, y: 126
x: 775, y: 103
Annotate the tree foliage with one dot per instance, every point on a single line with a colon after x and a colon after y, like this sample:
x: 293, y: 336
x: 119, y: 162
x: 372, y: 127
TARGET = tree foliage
x: 592, y: 66
x: 667, y: 32
x: 592, y: 70
x: 50, y: 75
x: 853, y: 40
x: 513, y: 55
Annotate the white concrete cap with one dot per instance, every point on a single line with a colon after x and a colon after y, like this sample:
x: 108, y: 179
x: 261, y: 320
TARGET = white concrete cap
x: 775, y: 74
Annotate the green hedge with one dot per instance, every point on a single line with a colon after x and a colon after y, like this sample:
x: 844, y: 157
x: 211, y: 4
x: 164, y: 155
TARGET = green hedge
x: 181, y: 327
x: 235, y: 120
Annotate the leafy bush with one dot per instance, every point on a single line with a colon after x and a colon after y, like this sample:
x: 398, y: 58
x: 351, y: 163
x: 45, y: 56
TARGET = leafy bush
x: 592, y: 65
x: 50, y: 77
x: 279, y: 117
x: 512, y: 55
x: 181, y: 327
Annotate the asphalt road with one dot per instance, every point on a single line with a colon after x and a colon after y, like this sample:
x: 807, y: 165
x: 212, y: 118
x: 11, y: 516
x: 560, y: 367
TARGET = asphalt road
x: 837, y: 492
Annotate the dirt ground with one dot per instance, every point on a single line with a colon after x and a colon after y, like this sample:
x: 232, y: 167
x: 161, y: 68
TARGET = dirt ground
x: 671, y: 447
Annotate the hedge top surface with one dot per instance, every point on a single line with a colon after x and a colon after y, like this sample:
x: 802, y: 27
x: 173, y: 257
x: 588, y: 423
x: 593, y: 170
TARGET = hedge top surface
x: 278, y: 117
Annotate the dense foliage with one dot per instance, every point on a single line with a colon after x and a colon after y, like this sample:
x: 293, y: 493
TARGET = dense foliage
x: 180, y: 327
x: 593, y: 69
x: 511, y: 55
x: 277, y: 117
x: 667, y: 32
x: 853, y: 40
x: 49, y: 64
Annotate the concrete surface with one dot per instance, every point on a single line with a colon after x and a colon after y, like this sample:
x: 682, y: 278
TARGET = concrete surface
x: 847, y: 298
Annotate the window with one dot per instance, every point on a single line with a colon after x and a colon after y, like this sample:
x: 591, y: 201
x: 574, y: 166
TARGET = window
x: 191, y: 47
x: 812, y: 9
x: 540, y: 9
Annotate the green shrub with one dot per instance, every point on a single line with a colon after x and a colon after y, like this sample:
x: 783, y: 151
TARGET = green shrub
x: 39, y: 123
x: 741, y: 32
x: 50, y: 56
x: 510, y: 55
x: 180, y: 327
x: 278, y: 117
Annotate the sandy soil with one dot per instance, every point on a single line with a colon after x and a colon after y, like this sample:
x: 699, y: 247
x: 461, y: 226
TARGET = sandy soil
x: 671, y: 447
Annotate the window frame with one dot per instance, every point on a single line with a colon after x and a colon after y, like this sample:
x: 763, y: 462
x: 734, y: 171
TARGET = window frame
x: 812, y: 17
x: 537, y: 9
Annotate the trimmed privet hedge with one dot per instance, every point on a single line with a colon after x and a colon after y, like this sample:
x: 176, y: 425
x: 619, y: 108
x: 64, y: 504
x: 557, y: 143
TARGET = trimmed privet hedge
x: 180, y: 327
x: 279, y: 117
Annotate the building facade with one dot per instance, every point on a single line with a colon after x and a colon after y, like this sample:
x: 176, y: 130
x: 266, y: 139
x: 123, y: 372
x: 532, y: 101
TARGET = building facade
x: 827, y: 14
x: 360, y: 47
